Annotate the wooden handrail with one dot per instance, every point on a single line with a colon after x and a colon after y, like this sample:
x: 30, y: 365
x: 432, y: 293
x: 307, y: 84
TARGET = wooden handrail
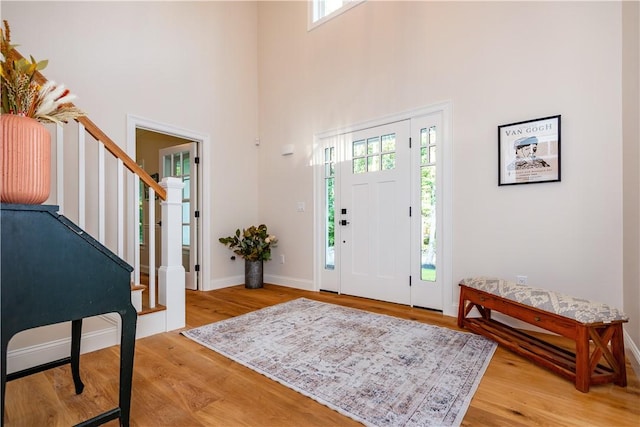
x: 108, y: 143
x: 114, y: 149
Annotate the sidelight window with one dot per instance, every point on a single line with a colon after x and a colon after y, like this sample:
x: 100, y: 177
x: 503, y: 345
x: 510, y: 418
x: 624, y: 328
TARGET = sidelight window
x: 330, y: 195
x: 428, y: 202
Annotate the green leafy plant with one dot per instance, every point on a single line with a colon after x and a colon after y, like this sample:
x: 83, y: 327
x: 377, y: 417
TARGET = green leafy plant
x: 253, y: 243
x: 21, y: 93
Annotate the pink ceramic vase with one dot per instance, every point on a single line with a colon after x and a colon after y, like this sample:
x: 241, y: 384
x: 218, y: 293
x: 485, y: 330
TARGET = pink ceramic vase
x: 25, y: 147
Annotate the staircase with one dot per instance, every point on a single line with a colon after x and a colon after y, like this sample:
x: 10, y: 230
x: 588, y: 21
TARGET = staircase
x: 96, y: 184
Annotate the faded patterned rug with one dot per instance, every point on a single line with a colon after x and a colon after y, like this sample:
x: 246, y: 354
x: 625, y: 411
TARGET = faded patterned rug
x: 377, y: 369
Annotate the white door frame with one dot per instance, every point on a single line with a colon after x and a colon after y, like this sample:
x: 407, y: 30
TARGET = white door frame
x: 204, y: 241
x: 445, y: 161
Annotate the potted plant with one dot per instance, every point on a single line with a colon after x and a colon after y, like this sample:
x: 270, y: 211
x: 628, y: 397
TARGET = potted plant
x: 254, y: 245
x: 26, y: 144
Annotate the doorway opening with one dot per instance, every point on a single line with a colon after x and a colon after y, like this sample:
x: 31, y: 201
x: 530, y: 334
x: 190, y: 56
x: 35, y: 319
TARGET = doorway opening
x: 199, y: 243
x: 162, y: 155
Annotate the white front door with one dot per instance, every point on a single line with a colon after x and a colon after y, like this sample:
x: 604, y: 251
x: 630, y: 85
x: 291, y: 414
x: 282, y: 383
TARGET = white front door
x: 373, y: 213
x: 179, y: 161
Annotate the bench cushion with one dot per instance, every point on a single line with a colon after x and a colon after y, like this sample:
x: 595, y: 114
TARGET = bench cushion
x: 578, y: 309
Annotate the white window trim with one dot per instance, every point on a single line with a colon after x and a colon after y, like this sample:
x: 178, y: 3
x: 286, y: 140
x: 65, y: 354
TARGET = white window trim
x: 311, y: 4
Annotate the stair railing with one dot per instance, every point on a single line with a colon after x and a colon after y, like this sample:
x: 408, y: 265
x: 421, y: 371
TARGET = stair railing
x: 171, y: 272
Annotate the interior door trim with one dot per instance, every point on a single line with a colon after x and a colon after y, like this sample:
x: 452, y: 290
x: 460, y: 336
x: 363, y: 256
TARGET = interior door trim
x: 205, y: 154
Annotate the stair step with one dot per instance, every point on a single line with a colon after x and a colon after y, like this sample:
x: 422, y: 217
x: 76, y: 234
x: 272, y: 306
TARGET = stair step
x: 136, y: 296
x: 147, y: 310
x: 140, y: 297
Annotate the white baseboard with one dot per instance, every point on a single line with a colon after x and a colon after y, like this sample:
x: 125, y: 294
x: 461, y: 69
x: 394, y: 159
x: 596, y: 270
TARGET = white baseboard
x: 151, y: 324
x: 45, y: 352
x: 224, y: 283
x: 38, y: 354
x: 290, y: 282
x: 450, y: 310
x: 633, y: 354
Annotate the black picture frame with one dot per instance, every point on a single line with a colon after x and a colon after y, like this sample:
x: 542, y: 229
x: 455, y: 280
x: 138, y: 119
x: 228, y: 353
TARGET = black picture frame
x: 529, y: 151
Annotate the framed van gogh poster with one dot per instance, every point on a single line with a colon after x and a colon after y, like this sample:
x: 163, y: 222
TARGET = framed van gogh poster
x: 529, y: 151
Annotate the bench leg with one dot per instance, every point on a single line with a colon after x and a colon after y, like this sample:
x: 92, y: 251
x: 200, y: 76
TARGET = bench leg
x: 462, y: 308
x: 583, y: 368
x: 586, y: 361
x: 467, y: 304
x: 617, y: 348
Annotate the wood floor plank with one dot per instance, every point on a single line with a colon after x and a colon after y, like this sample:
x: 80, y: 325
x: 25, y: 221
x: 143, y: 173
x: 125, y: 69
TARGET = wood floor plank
x: 178, y: 382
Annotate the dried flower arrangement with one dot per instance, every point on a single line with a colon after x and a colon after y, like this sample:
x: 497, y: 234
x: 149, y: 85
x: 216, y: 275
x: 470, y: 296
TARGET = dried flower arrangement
x: 21, y: 93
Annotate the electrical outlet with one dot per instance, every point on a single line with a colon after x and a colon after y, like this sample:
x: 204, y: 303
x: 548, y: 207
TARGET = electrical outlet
x: 281, y: 259
x: 522, y: 280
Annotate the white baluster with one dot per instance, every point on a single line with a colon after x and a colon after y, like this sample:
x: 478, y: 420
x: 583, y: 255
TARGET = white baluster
x: 136, y: 231
x: 101, y: 194
x: 81, y: 177
x: 120, y: 209
x: 152, y: 247
x: 60, y: 168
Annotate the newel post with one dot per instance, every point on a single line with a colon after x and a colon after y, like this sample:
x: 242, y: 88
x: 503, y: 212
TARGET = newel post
x: 171, y: 291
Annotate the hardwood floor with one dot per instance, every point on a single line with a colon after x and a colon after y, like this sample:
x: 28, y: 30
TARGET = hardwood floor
x: 180, y: 383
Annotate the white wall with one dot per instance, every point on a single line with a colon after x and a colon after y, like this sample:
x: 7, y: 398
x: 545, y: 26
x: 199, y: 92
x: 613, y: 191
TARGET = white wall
x: 631, y: 155
x: 191, y: 65
x: 498, y: 63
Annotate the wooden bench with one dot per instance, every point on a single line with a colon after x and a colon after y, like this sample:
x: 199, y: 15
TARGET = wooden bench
x: 595, y: 328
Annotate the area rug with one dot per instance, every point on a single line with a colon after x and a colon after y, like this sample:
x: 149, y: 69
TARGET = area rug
x: 377, y: 369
